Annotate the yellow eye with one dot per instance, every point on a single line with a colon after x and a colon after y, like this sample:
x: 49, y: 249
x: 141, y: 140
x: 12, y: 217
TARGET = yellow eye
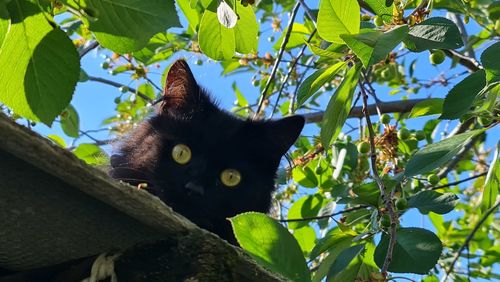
x: 230, y: 177
x: 181, y: 154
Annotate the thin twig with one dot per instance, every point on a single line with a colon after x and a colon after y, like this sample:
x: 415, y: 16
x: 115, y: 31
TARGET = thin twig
x: 459, y: 181
x: 290, y: 71
x: 278, y: 59
x: 91, y: 46
x: 465, y: 61
x: 118, y: 85
x: 385, y: 107
x: 451, y: 165
x: 309, y: 12
x: 325, y: 216
x: 469, y: 238
x: 385, y: 197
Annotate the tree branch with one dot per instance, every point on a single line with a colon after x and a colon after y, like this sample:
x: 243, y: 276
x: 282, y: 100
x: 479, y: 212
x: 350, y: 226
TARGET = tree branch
x: 385, y: 107
x: 385, y: 198
x: 459, y: 181
x: 308, y: 11
x: 469, y: 238
x: 116, y: 84
x: 92, y: 45
x: 325, y: 216
x: 278, y: 59
x: 290, y: 71
x: 465, y: 61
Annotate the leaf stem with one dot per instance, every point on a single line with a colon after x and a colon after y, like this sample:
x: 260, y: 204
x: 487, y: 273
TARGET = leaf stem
x: 278, y: 59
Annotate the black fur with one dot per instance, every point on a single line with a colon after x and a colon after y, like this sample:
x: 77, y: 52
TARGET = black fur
x: 218, y: 141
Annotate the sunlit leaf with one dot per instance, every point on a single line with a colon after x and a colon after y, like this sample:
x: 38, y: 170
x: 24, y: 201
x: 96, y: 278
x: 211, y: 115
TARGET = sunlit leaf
x: 41, y: 82
x: 492, y: 182
x: 374, y: 46
x: 336, y: 18
x: 216, y: 40
x: 432, y: 106
x: 70, y: 122
x: 315, y: 81
x: 338, y: 108
x: 306, y: 236
x: 115, y: 29
x: 381, y: 9
x: 91, y: 154
x: 307, y: 206
x: 270, y: 244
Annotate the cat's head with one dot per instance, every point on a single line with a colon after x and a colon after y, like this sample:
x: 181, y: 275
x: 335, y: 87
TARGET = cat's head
x: 203, y: 161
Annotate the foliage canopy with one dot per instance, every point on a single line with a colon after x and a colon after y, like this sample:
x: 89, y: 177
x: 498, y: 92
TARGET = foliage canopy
x: 329, y: 61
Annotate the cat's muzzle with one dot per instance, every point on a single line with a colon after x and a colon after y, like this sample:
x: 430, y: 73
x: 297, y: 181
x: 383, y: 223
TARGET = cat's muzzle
x: 193, y: 187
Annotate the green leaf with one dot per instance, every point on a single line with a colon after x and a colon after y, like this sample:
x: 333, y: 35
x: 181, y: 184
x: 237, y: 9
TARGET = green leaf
x: 494, y: 11
x: 270, y: 244
x: 158, y: 49
x: 307, y: 206
x: 57, y: 140
x: 434, y: 33
x: 216, y: 40
x: 437, y: 154
x: 374, y: 46
x: 416, y: 251
x: 324, y: 52
x: 460, y: 98
x: 246, y: 30
x: 339, y: 106
x: 492, y: 182
x: 41, y: 82
x: 4, y: 22
x: 191, y: 14
x: 332, y: 242
x: 432, y: 106
x: 70, y: 122
x: 338, y: 17
x: 368, y: 193
x: 91, y: 154
x: 344, y: 259
x: 432, y: 201
x: 306, y: 237
x: 360, y: 268
x: 314, y: 82
x: 491, y: 62
x: 127, y: 25
x: 380, y: 8
x: 305, y: 176
x: 298, y: 37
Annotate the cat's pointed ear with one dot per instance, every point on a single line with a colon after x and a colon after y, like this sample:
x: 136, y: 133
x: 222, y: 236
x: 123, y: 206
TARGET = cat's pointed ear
x: 283, y: 133
x: 181, y: 90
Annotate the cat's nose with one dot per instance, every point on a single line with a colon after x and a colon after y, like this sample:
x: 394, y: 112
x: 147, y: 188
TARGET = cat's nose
x: 191, y: 186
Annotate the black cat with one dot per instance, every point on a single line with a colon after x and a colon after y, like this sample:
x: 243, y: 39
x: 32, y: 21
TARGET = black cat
x: 203, y: 162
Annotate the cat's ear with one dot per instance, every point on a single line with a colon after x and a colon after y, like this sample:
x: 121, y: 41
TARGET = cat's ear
x: 181, y: 90
x: 283, y: 133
